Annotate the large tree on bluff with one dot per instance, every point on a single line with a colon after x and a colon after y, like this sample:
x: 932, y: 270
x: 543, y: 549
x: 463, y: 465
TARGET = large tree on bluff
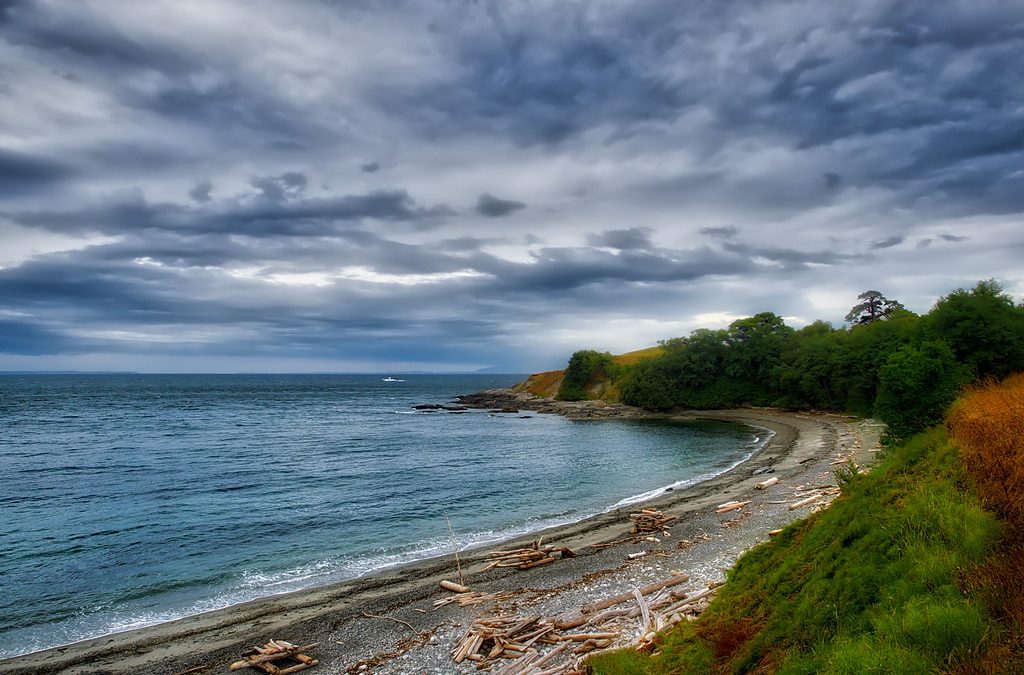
x: 873, y: 306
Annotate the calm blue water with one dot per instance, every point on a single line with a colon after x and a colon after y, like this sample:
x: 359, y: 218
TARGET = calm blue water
x: 128, y: 500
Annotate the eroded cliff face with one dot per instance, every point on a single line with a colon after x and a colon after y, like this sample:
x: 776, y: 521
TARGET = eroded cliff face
x: 544, y: 384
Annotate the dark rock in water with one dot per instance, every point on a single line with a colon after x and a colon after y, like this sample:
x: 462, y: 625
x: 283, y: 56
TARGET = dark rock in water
x: 525, y: 417
x: 428, y: 406
x: 453, y: 408
x: 456, y: 412
x: 511, y: 401
x: 669, y: 489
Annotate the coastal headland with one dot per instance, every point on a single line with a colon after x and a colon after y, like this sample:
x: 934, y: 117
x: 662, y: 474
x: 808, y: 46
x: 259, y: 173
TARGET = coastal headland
x: 387, y: 622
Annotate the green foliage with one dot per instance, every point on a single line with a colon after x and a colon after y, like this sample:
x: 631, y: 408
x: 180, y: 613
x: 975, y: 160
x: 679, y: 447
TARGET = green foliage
x: 890, y: 362
x: 583, y: 366
x: 984, y: 328
x: 754, y: 348
x: 917, y: 384
x: 871, y: 585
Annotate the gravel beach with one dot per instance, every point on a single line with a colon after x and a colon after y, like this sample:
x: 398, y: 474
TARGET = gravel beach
x: 387, y: 622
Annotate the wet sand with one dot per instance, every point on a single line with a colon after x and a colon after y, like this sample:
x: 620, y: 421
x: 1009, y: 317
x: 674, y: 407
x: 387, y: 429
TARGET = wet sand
x: 804, y: 451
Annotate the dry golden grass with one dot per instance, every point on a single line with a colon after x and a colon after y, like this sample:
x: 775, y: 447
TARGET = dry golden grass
x: 629, y: 358
x: 545, y: 384
x: 988, y: 424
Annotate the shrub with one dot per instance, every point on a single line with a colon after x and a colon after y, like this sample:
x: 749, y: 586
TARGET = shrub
x: 917, y: 384
x: 988, y: 423
x: 583, y: 366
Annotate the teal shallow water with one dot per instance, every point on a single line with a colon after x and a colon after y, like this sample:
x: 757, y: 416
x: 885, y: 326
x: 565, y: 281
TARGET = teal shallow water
x: 129, y: 500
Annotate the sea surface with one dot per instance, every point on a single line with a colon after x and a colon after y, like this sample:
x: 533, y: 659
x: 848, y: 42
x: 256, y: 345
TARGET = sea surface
x: 130, y: 500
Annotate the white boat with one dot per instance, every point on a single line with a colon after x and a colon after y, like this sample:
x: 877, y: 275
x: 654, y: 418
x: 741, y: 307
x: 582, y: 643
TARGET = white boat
x: 391, y: 379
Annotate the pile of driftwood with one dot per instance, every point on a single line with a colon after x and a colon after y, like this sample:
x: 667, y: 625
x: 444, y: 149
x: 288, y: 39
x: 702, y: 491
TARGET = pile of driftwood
x: 649, y: 521
x: 519, y: 639
x: 528, y: 557
x: 810, y: 496
x: 468, y: 597
x: 503, y: 636
x: 281, y: 652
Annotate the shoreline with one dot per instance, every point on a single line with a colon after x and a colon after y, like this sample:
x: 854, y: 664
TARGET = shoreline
x: 333, y: 614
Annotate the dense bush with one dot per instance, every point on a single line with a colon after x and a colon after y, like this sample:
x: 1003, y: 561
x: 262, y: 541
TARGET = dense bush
x: 583, y: 366
x: 916, y: 385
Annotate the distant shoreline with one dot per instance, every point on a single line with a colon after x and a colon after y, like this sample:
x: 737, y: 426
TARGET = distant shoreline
x: 322, y: 612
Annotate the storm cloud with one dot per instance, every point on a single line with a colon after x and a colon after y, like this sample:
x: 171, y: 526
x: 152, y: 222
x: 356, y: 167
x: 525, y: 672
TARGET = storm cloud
x: 488, y: 185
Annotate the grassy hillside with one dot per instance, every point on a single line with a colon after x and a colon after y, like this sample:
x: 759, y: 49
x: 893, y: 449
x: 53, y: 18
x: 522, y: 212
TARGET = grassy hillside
x: 916, y: 568
x: 600, y: 386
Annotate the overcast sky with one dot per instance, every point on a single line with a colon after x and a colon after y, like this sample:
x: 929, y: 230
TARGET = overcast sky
x: 382, y: 185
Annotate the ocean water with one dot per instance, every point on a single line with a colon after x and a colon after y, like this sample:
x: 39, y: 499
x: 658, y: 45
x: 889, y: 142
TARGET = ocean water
x: 129, y: 500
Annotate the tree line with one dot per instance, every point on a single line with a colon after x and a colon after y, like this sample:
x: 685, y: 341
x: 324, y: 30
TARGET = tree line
x: 888, y: 362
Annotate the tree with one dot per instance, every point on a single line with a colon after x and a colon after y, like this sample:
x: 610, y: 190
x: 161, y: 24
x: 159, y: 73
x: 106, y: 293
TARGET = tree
x: 873, y: 306
x: 807, y: 374
x: 583, y: 366
x: 983, y: 326
x: 916, y: 385
x: 864, y: 350
x: 755, y: 347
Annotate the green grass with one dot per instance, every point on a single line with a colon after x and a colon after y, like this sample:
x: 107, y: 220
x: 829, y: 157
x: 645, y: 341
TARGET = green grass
x: 871, y: 585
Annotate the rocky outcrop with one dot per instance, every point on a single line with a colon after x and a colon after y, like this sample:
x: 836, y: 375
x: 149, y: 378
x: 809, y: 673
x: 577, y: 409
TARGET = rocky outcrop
x: 511, y: 399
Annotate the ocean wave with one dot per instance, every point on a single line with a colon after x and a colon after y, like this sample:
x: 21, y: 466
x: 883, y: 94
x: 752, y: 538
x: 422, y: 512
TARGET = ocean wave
x: 754, y: 446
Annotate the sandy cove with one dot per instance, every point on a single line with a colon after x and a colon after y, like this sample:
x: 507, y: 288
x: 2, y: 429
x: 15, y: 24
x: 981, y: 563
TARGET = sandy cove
x: 804, y: 451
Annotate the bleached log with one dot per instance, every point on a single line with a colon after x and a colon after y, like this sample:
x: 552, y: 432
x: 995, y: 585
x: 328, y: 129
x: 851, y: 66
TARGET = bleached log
x: 671, y: 609
x: 454, y: 587
x: 803, y: 502
x: 765, y: 484
x: 581, y: 637
x: 624, y: 597
x: 732, y: 507
x: 645, y: 611
x: 550, y: 655
x: 536, y: 563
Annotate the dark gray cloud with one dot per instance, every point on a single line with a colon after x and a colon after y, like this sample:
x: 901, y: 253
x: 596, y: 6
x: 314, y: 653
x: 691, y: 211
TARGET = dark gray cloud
x: 888, y: 242
x: 545, y: 73
x: 277, y: 209
x: 635, y: 238
x: 201, y: 192
x: 20, y: 173
x: 790, y: 257
x: 169, y: 188
x: 280, y: 188
x: 719, y: 232
x: 496, y: 207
